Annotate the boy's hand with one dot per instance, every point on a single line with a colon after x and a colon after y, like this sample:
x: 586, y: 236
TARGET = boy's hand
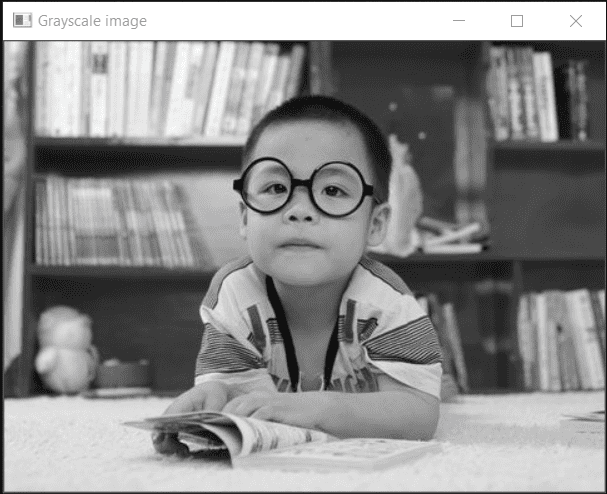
x: 211, y: 396
x: 299, y: 409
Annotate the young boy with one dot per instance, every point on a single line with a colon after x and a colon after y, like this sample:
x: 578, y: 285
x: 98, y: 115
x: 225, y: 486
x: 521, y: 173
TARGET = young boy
x: 307, y: 330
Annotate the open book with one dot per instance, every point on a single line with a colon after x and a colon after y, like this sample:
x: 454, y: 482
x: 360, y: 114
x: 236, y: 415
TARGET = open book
x: 260, y: 443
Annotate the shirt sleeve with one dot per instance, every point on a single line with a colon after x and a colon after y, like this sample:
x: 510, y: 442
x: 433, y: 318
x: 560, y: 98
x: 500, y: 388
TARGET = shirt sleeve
x: 227, y: 351
x: 405, y: 347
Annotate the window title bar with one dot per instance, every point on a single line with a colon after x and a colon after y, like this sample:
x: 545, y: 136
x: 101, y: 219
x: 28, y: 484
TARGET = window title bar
x: 304, y: 21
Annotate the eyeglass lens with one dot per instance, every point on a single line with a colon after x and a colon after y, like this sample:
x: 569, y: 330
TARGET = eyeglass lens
x: 337, y: 188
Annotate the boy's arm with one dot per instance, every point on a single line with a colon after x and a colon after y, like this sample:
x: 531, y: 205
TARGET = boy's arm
x: 395, y: 411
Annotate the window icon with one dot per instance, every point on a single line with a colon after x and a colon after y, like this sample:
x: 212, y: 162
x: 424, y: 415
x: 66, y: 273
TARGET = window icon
x: 516, y: 21
x: 22, y: 19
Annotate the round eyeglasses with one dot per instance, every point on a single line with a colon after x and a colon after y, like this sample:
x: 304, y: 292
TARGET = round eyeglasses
x: 336, y: 188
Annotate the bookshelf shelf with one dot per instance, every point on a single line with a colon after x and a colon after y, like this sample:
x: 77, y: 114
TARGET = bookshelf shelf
x: 593, y: 146
x: 142, y: 142
x: 120, y: 272
x: 482, y: 257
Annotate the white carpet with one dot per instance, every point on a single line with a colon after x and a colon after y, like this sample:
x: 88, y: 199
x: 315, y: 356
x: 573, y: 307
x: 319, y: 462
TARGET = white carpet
x: 490, y: 443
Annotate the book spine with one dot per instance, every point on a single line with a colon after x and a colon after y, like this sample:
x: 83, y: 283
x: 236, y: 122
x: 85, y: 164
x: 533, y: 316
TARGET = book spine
x: 495, y: 97
x: 50, y: 207
x: 581, y: 130
x: 525, y: 343
x: 121, y: 68
x: 554, y: 362
x: 132, y: 89
x: 136, y: 223
x: 203, y: 91
x: 435, y: 311
x: 74, y: 219
x: 90, y: 222
x: 245, y: 109
x: 173, y: 204
x: 99, y: 88
x: 551, y: 110
x: 219, y: 91
x: 277, y: 90
x: 266, y: 76
x: 294, y: 78
x: 125, y: 195
x: 456, y: 344
x: 577, y: 330
x: 151, y: 250
x: 543, y: 343
x: 167, y: 83
x: 591, y: 340
x: 112, y: 88
x: 160, y: 226
x: 599, y: 319
x: 55, y: 86
x: 237, y: 79
x: 539, y: 78
x: 189, y: 97
x: 68, y: 218
x: 532, y: 131
x: 120, y: 212
x: 515, y: 100
x: 65, y: 223
x: 40, y: 101
x: 75, y: 71
x: 39, y: 196
x: 173, y: 226
x: 157, y: 81
x: 145, y: 85
x: 85, y: 95
x: 179, y: 79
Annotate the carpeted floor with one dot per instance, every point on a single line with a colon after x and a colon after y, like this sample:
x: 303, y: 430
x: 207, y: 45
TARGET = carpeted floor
x: 490, y: 443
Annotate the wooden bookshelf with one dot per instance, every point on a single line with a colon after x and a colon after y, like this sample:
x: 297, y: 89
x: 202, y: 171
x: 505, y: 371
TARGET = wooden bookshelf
x: 522, y: 146
x: 152, y: 312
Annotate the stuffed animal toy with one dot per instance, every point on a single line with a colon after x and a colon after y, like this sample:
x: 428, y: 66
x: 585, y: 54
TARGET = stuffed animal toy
x: 406, y: 201
x: 67, y: 361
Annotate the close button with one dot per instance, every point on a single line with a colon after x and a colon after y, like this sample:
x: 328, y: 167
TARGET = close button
x: 575, y: 21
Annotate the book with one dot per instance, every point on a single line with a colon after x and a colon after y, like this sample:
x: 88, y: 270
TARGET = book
x: 585, y: 423
x: 251, y: 442
x: 446, y: 249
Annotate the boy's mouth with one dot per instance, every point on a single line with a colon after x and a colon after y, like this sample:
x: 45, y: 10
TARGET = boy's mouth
x: 299, y: 244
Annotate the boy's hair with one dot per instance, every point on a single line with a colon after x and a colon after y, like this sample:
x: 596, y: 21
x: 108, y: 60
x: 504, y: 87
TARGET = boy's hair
x: 331, y: 110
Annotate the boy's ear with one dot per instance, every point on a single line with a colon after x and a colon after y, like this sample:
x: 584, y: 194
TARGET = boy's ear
x: 378, y: 227
x: 242, y: 229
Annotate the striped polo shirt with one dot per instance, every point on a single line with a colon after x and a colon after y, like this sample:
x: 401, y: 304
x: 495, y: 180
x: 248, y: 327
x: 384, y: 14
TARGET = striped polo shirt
x: 381, y: 330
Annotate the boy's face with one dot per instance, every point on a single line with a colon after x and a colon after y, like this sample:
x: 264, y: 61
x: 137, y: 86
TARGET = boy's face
x: 333, y: 245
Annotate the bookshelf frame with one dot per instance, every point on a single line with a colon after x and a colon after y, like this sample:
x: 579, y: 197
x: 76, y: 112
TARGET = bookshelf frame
x: 517, y: 267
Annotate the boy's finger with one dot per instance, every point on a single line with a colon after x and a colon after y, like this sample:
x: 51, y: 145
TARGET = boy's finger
x: 215, y: 402
x: 168, y: 444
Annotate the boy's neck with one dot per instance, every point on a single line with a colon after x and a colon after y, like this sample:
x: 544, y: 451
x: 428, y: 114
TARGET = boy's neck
x: 311, y: 307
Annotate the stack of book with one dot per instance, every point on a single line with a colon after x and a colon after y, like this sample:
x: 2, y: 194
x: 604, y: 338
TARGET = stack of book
x: 124, y: 89
x: 561, y: 337
x: 121, y: 222
x: 444, y: 319
x: 443, y: 237
x: 529, y: 99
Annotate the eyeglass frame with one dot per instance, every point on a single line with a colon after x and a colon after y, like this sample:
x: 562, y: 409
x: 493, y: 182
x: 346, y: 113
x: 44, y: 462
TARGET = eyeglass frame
x: 238, y: 185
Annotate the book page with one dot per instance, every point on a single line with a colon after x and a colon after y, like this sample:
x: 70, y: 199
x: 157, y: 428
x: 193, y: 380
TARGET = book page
x: 262, y: 435
x: 241, y: 435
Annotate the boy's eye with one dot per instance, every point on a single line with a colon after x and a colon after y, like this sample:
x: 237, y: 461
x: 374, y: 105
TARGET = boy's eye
x: 334, y: 191
x: 275, y: 189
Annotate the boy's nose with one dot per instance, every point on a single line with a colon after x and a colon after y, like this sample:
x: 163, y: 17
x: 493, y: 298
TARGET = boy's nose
x: 300, y: 207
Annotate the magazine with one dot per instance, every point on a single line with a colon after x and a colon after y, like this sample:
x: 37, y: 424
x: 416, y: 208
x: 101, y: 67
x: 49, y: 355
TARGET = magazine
x: 251, y: 442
